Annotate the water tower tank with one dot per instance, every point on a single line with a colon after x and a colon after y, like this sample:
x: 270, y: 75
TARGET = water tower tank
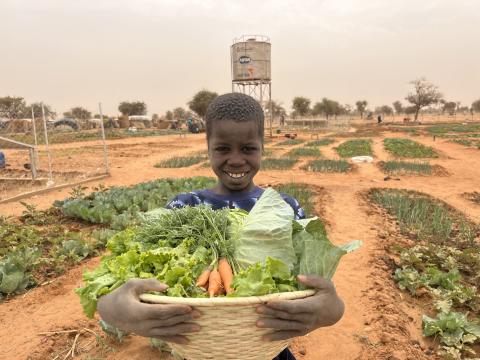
x: 251, y: 58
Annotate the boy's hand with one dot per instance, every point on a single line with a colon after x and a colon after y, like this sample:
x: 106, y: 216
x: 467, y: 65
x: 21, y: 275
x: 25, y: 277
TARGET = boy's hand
x: 123, y: 309
x: 291, y: 318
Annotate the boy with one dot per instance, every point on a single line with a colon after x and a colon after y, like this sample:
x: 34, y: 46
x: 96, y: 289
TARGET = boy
x: 234, y: 125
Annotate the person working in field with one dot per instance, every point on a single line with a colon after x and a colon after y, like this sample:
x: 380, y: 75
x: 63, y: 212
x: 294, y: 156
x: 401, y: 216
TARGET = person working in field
x: 235, y: 130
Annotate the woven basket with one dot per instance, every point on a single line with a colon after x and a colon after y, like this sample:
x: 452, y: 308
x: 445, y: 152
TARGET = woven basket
x: 229, y: 328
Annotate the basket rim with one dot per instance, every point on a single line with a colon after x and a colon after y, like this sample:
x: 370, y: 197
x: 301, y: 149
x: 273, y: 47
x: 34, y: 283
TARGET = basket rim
x: 225, y: 301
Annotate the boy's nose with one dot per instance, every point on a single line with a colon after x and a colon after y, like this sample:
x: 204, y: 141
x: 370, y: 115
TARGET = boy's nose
x: 236, y: 159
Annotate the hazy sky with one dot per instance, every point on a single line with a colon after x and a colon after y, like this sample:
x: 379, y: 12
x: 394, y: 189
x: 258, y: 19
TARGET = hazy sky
x: 71, y: 53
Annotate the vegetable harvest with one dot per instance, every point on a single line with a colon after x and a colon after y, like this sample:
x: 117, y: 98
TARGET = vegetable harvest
x: 200, y: 252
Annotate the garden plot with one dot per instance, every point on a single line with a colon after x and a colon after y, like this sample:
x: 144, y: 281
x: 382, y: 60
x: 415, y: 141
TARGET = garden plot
x: 420, y: 168
x: 439, y: 263
x: 357, y: 147
x: 320, y: 142
x: 328, y: 166
x: 290, y: 142
x: 407, y: 148
x: 467, y: 142
x: 181, y: 161
x: 278, y: 163
x: 304, y: 152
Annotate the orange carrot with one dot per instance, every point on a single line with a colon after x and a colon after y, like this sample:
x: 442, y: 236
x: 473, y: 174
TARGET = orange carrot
x: 203, y: 278
x: 226, y: 274
x: 214, y: 283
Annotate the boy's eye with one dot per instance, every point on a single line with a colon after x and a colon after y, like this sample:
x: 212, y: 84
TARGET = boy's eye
x: 249, y: 148
x: 221, y: 148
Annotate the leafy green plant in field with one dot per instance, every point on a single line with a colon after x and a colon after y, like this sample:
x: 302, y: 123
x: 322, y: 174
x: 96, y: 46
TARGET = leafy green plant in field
x: 464, y: 142
x: 408, y: 148
x: 445, y: 128
x: 405, y: 167
x: 278, y: 163
x: 119, y: 207
x: 455, y: 331
x: 305, y: 151
x: 320, y: 142
x: 290, y: 142
x: 30, y: 254
x: 357, y: 147
x: 326, y: 165
x: 181, y: 161
x: 424, y: 217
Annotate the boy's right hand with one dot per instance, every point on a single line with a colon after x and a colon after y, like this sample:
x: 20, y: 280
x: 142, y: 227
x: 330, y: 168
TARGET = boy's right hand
x: 122, y: 308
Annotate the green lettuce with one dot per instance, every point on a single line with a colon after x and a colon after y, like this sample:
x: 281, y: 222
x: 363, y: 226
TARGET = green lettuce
x: 261, y: 279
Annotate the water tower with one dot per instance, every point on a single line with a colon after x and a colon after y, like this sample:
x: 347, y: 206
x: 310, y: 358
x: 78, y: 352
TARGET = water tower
x: 251, y: 70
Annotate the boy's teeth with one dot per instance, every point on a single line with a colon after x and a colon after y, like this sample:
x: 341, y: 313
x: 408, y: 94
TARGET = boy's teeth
x: 236, y: 176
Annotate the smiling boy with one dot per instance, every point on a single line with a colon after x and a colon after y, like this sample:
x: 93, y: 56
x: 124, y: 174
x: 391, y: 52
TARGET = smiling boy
x: 234, y: 125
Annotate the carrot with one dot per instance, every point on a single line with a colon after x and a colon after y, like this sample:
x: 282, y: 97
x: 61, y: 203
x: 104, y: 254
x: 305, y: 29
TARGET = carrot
x: 214, y: 283
x: 203, y: 278
x: 226, y: 274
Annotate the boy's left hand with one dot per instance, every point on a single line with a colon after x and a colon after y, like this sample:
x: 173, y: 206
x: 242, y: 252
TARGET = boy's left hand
x: 291, y: 318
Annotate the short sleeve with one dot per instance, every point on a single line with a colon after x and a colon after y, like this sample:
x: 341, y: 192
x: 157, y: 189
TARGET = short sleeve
x: 297, y: 209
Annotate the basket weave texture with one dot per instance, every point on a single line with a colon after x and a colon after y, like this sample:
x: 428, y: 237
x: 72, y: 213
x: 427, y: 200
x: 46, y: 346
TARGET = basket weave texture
x: 228, y: 327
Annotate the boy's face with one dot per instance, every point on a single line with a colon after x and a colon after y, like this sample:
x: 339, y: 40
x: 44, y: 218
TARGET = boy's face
x: 235, y: 151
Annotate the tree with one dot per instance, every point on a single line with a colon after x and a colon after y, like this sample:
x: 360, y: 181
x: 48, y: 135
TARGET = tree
x: 12, y: 107
x: 384, y: 109
x: 37, y: 110
x: 449, y: 107
x: 200, y: 102
x: 80, y: 113
x: 180, y: 113
x: 328, y: 107
x: 424, y: 94
x: 397, y: 105
x: 476, y: 106
x: 361, y: 107
x: 301, y: 105
x: 132, y: 108
x: 169, y: 115
x: 97, y: 116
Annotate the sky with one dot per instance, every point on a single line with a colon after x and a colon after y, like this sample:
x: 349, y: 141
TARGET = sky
x: 78, y: 53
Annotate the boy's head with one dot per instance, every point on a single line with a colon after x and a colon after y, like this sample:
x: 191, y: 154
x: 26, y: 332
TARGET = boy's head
x: 234, y: 125
x: 237, y: 107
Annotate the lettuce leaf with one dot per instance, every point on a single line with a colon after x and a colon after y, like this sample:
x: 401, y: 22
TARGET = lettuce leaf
x: 266, y: 232
x: 261, y: 279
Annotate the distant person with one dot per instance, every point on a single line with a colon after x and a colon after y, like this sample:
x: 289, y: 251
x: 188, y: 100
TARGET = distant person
x: 282, y: 120
x: 379, y: 119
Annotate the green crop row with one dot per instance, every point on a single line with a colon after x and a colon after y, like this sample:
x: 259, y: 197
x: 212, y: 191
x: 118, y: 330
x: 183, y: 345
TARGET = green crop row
x: 180, y: 161
x: 408, y: 148
x: 357, y: 147
x: 404, y: 167
x: 327, y: 165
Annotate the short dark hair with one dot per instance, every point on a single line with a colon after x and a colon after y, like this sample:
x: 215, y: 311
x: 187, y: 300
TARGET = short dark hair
x: 237, y: 107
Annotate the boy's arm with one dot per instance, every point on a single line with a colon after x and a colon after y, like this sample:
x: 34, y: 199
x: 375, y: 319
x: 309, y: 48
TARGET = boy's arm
x: 292, y: 318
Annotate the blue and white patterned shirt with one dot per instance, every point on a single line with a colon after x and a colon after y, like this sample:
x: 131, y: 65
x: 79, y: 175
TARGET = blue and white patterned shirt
x: 241, y: 200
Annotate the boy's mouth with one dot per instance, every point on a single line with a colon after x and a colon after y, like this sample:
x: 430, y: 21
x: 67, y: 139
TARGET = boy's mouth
x: 236, y: 175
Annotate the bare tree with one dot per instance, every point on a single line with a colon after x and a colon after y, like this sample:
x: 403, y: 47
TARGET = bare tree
x: 424, y: 94
x: 476, y: 106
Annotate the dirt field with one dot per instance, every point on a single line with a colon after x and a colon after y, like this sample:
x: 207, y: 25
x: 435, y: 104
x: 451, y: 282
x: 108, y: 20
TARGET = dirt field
x: 380, y: 321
